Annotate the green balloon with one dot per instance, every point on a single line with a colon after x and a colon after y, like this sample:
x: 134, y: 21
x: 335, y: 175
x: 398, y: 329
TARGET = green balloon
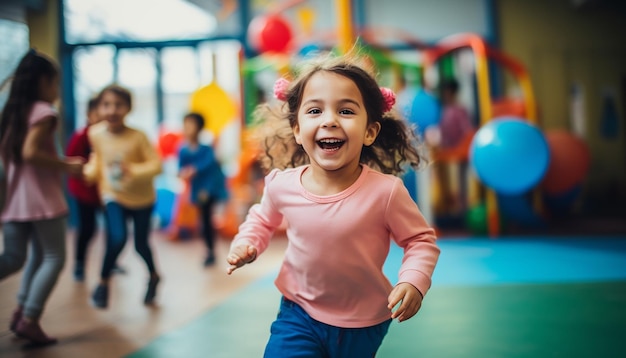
x: 476, y: 219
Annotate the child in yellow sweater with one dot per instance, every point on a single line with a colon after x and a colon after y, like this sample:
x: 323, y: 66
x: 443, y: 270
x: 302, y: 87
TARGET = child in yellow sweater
x: 123, y: 164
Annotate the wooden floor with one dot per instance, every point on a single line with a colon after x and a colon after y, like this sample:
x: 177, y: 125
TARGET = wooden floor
x: 187, y: 290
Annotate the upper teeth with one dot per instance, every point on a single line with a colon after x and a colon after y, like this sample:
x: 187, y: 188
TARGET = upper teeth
x: 330, y: 140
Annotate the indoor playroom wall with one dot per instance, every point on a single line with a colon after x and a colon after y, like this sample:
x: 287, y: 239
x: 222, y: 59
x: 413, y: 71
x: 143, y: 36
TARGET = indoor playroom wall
x: 566, y: 48
x: 576, y: 56
x: 430, y: 20
x: 43, y: 22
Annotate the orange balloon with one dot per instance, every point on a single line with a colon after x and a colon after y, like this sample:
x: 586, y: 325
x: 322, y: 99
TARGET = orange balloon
x: 508, y: 107
x: 569, y: 162
x: 186, y: 215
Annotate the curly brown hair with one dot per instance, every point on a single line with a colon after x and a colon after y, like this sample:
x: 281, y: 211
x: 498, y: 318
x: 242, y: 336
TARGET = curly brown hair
x: 395, y: 147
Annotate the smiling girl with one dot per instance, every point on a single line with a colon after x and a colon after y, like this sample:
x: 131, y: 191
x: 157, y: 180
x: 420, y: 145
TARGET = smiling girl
x: 342, y: 207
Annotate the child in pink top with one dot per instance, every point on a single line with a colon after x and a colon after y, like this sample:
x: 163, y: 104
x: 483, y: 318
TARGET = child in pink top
x: 454, y: 127
x: 342, y: 209
x: 35, y: 207
x: 455, y: 121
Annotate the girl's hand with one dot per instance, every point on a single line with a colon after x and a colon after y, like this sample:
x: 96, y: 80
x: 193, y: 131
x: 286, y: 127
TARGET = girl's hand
x: 74, y: 166
x: 411, y: 301
x: 239, y: 256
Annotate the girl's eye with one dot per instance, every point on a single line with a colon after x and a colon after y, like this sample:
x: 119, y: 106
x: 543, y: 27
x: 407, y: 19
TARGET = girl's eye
x: 314, y: 111
x: 346, y: 111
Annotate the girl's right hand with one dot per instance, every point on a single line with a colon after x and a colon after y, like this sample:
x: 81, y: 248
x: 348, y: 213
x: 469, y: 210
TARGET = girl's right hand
x: 74, y: 165
x: 239, y: 256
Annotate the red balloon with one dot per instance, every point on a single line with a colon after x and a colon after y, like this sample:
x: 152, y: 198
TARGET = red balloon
x: 168, y: 143
x: 269, y: 33
x: 569, y: 162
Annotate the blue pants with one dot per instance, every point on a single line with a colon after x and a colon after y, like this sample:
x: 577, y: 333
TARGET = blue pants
x: 87, y: 226
x: 208, y: 231
x: 295, y: 334
x: 116, y: 234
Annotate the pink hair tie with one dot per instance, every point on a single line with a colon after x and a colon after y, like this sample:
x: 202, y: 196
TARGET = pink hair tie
x: 390, y: 98
x: 280, y: 89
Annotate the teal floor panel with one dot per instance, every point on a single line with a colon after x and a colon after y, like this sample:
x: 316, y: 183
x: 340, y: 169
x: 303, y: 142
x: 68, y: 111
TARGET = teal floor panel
x: 237, y: 328
x: 517, y: 321
x: 518, y: 298
x: 471, y: 261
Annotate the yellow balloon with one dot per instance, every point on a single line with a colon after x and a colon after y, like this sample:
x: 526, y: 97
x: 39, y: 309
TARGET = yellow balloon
x: 215, y: 105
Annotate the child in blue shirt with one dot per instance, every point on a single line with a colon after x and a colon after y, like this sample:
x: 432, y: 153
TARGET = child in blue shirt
x: 199, y: 165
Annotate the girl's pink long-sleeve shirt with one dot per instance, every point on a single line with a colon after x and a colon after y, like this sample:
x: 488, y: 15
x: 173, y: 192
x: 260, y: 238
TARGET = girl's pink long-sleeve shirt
x: 338, y: 244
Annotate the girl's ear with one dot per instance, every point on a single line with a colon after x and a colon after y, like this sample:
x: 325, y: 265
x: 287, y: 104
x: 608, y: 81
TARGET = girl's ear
x: 371, y: 133
x: 296, y: 134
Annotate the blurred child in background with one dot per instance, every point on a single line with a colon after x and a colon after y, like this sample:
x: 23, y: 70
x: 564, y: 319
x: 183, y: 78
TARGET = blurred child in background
x: 88, y: 202
x: 454, y: 126
x: 123, y: 164
x: 455, y: 121
x: 35, y: 208
x: 199, y: 165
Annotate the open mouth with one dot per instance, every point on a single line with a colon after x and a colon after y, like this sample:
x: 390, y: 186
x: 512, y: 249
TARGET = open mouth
x: 330, y: 144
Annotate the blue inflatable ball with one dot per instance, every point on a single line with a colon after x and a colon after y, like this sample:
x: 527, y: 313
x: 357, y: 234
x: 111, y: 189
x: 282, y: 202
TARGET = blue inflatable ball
x: 165, y: 200
x: 509, y: 155
x: 404, y: 100
x: 425, y: 110
x: 309, y: 50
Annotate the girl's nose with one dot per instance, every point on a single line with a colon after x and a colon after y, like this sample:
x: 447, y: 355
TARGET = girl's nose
x: 329, y: 121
